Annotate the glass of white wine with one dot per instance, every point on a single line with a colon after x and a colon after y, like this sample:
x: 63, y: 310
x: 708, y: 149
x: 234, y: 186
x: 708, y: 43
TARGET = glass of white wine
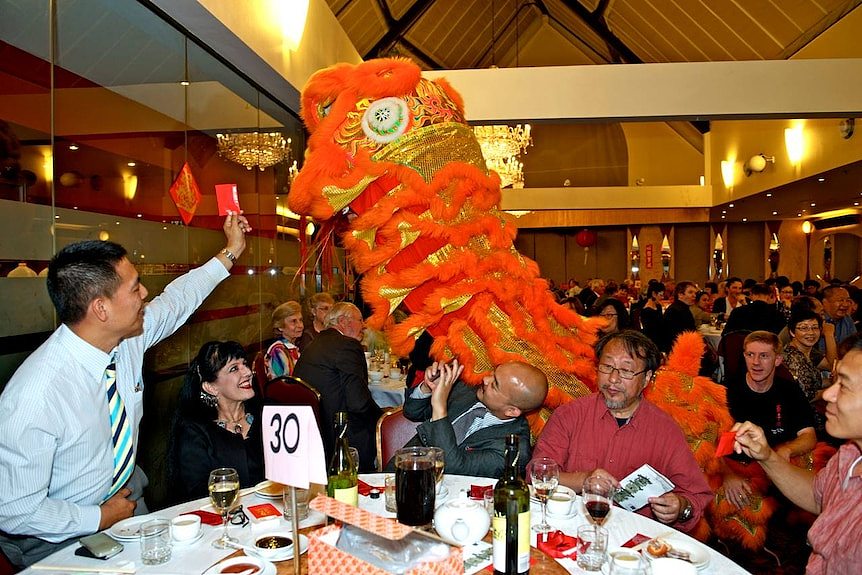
x: 545, y: 476
x: 439, y: 465
x: 224, y: 491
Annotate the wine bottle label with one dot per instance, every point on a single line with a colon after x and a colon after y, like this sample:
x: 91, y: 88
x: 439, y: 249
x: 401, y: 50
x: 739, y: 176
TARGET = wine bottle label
x: 499, y: 525
x: 349, y: 495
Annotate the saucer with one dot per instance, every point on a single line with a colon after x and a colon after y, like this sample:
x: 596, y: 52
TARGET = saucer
x: 224, y: 567
x: 128, y: 529
x: 187, y: 542
x: 573, y: 513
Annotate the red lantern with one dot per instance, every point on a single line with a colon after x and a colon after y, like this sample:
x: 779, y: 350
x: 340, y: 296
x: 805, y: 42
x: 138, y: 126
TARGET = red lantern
x: 586, y: 238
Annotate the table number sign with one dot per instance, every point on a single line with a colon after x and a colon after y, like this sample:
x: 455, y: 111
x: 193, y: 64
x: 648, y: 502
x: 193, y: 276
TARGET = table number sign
x: 292, y: 447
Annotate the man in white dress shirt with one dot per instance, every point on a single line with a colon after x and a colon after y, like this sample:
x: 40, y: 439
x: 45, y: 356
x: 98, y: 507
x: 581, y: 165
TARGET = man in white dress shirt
x: 56, y: 438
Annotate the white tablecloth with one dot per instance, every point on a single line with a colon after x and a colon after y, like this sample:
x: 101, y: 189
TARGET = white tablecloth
x: 197, y: 557
x: 388, y: 393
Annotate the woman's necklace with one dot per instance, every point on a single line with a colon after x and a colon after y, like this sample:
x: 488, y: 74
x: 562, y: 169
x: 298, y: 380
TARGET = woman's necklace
x: 237, y: 423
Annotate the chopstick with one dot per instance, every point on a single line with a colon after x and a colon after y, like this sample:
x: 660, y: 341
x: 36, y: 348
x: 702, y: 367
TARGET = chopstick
x: 130, y: 568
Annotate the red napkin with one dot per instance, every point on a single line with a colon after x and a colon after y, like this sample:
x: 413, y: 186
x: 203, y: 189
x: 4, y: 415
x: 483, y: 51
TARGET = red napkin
x: 478, y: 491
x: 725, y: 443
x: 207, y: 517
x: 556, y: 544
x: 365, y: 489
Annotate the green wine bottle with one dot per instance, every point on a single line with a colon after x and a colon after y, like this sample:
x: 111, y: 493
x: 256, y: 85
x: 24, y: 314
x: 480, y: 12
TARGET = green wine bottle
x: 511, y: 517
x: 343, y: 482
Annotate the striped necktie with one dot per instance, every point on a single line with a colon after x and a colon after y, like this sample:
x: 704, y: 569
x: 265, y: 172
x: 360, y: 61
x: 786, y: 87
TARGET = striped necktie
x: 121, y: 431
x: 463, y: 426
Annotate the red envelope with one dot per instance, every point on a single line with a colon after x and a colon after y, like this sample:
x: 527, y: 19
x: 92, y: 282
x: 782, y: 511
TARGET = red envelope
x: 636, y: 540
x: 227, y: 198
x: 725, y: 443
x: 207, y: 518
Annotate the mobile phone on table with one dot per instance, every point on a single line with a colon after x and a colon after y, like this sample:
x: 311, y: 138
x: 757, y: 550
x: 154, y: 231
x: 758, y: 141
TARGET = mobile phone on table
x: 101, y: 545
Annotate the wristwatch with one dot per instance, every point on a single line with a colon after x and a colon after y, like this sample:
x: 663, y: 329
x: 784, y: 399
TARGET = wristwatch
x: 229, y: 255
x: 686, y: 512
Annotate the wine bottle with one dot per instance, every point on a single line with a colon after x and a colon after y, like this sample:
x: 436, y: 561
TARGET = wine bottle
x: 343, y: 482
x: 511, y: 517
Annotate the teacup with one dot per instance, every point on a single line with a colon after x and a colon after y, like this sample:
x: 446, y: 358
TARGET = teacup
x: 375, y: 376
x: 394, y: 373
x: 185, y: 527
x: 561, y: 503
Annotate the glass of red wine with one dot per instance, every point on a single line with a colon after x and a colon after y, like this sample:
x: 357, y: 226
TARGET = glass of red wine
x: 544, y: 476
x: 597, y: 494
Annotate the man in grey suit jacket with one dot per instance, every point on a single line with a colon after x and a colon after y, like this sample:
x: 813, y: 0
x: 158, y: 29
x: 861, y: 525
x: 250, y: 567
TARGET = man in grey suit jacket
x: 469, y: 422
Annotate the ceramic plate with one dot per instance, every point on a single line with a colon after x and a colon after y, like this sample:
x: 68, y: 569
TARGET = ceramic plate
x: 128, y: 529
x: 699, y: 557
x: 286, y: 553
x: 269, y: 490
x: 240, y: 564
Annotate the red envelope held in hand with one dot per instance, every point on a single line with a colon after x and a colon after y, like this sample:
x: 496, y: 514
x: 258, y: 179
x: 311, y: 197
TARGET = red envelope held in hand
x: 227, y: 198
x: 725, y: 443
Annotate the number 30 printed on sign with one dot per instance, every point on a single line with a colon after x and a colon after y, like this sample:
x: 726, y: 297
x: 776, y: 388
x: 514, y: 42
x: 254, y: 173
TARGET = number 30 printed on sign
x: 292, y: 447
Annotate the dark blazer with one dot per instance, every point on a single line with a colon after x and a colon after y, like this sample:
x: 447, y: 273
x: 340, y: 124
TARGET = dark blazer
x: 202, y: 446
x: 334, y: 365
x: 483, y: 452
x: 757, y: 315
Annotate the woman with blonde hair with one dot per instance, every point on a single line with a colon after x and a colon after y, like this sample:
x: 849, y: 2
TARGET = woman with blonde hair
x: 282, y: 355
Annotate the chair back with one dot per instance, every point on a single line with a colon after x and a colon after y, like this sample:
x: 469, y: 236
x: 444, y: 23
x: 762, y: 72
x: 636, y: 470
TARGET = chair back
x: 6, y: 567
x: 288, y: 390
x: 393, y: 432
x: 260, y: 378
x: 730, y: 349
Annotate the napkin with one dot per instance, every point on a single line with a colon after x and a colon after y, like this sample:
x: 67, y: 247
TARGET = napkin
x: 207, y: 517
x: 557, y: 544
x: 478, y: 491
x: 725, y: 443
x: 365, y: 488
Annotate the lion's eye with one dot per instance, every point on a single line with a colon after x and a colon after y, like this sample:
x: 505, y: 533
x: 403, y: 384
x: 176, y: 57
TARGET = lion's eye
x: 323, y: 109
x: 386, y: 119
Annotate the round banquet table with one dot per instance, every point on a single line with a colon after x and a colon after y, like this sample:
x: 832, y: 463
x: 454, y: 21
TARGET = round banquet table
x: 388, y: 392
x: 200, y: 555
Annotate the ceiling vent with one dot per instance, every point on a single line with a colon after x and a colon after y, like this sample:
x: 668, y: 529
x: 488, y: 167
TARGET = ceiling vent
x: 837, y: 222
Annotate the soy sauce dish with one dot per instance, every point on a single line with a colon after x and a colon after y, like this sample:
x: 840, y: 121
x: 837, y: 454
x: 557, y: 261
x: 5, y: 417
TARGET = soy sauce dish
x: 272, y: 544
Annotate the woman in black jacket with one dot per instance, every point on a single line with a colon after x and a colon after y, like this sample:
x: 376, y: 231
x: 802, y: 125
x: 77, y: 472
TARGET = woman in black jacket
x: 218, y: 421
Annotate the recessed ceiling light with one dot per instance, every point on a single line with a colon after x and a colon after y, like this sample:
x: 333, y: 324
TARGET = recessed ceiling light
x: 131, y: 164
x: 723, y: 217
x: 821, y: 179
x: 855, y: 203
x: 57, y: 217
x: 73, y: 147
x: 140, y: 215
x: 813, y: 204
x: 729, y: 205
x: 774, y: 213
x: 74, y: 207
x: 744, y: 219
x: 184, y: 83
x: 768, y: 194
x: 723, y: 211
x: 799, y: 215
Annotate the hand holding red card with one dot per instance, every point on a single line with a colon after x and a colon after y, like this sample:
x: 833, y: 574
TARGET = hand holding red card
x: 227, y: 198
x: 725, y: 443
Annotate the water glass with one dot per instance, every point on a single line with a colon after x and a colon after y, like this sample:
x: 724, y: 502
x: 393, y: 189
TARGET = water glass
x: 389, y: 493
x: 155, y: 541
x: 592, y: 547
x: 488, y: 498
x: 301, y: 503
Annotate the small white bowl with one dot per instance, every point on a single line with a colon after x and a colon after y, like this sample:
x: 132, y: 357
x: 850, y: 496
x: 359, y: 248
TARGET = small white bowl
x: 267, y: 552
x: 375, y: 376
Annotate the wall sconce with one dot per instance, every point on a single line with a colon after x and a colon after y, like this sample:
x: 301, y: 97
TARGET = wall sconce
x: 794, y: 143
x: 807, y: 228
x: 757, y: 164
x: 727, y: 169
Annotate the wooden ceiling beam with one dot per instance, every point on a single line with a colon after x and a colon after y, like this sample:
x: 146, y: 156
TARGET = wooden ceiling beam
x: 397, y: 28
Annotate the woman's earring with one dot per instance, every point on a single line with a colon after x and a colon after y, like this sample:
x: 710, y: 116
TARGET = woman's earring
x: 209, y: 399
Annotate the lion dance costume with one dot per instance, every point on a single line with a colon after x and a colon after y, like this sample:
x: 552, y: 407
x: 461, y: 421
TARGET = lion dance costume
x: 391, y: 154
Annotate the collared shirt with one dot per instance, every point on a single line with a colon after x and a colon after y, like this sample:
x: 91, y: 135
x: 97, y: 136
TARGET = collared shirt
x: 487, y: 421
x: 55, y: 432
x: 843, y: 328
x: 583, y: 435
x: 834, y: 536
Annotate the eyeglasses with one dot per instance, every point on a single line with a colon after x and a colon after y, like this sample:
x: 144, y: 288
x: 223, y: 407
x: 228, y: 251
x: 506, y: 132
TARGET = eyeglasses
x: 237, y: 516
x: 624, y: 373
x: 805, y: 328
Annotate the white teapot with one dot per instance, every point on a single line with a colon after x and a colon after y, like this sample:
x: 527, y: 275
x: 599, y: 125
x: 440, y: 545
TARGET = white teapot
x: 462, y: 521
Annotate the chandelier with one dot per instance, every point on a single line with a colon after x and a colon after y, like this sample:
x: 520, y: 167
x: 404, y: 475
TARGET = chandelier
x: 501, y: 145
x: 254, y: 149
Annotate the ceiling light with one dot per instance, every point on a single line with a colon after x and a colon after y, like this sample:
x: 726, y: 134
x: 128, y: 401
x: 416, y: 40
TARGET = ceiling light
x: 768, y: 194
x: 131, y: 164
x: 774, y: 213
x: 723, y: 211
x: 254, y: 148
x: 184, y: 83
x: 798, y: 214
x: 744, y: 219
x: 723, y: 217
x: 729, y: 205
x: 501, y: 147
x: 73, y: 147
x: 821, y: 179
x: 855, y: 203
x: 813, y: 204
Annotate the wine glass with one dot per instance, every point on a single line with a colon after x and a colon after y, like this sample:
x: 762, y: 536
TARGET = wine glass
x: 439, y: 465
x: 224, y: 491
x: 545, y: 476
x: 597, y: 494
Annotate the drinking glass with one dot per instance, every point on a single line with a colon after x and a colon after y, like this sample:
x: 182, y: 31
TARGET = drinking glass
x: 414, y: 486
x: 597, y: 494
x: 224, y: 491
x: 301, y: 503
x: 155, y: 541
x: 592, y: 547
x: 544, y: 476
x: 439, y: 465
